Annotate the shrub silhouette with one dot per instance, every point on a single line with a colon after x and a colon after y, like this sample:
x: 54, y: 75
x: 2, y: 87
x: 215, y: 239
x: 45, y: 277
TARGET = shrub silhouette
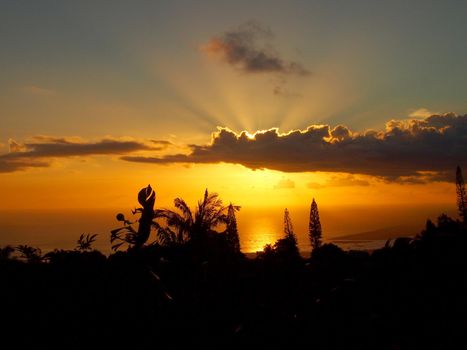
x: 6, y: 252
x: 30, y: 254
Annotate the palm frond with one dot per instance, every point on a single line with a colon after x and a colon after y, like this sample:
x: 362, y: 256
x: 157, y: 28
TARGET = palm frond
x: 85, y: 242
x: 184, y: 208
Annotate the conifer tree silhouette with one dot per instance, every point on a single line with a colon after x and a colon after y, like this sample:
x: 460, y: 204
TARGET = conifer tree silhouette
x: 287, y: 245
x: 314, y: 227
x: 288, y: 227
x: 461, y: 195
x: 231, y: 230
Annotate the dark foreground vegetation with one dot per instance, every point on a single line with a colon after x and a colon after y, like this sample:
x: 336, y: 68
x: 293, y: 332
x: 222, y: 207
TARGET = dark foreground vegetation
x: 193, y: 286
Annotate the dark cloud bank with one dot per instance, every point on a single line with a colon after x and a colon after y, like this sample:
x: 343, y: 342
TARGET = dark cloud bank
x: 43, y: 149
x: 414, y: 151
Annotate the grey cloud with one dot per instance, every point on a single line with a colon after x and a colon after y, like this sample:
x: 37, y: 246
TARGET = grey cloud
x: 248, y: 49
x: 9, y: 165
x: 42, y: 149
x: 409, y: 150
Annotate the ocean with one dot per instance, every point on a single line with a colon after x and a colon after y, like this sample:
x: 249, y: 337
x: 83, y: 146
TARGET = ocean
x: 51, y: 229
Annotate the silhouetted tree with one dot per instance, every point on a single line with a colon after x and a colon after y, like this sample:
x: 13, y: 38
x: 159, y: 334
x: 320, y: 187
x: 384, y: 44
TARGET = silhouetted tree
x: 287, y: 246
x: 461, y: 196
x: 231, y: 231
x: 447, y: 224
x: 314, y: 227
x: 179, y: 224
x: 288, y: 227
x: 186, y: 225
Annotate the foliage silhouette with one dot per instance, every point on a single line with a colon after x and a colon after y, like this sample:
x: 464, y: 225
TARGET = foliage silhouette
x: 199, y: 226
x: 30, y: 254
x: 409, y: 294
x: 461, y: 195
x: 314, y: 227
x: 231, y: 230
x: 85, y: 242
x: 6, y: 252
x: 288, y: 227
x: 127, y: 234
x: 285, y: 249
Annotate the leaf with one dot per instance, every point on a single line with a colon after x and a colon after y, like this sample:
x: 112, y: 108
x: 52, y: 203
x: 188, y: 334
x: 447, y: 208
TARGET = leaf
x: 116, y: 246
x: 146, y: 195
x: 142, y: 196
x: 117, y: 230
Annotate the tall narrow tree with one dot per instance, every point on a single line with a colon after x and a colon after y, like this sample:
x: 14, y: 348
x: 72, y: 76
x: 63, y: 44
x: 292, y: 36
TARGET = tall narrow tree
x: 287, y: 247
x: 314, y: 227
x: 231, y: 229
x: 461, y: 196
x: 288, y: 227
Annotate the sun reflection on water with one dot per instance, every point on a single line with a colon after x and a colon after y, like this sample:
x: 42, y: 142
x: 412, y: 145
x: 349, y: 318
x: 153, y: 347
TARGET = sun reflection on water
x: 259, y: 232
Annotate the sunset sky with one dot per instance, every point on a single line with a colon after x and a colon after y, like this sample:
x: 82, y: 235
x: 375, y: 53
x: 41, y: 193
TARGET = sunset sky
x: 358, y: 104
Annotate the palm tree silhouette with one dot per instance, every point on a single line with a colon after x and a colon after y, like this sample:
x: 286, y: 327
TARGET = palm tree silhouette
x: 185, y: 225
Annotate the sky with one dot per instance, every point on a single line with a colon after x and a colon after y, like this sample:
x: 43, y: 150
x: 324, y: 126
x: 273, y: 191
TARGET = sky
x: 269, y: 103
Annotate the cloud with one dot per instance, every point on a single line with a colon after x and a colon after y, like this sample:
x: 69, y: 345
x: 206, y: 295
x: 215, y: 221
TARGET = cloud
x: 280, y: 89
x: 421, y: 113
x: 42, y: 149
x: 38, y: 91
x: 407, y: 150
x: 162, y: 143
x: 284, y: 184
x: 9, y: 165
x: 248, y: 48
x: 339, y: 181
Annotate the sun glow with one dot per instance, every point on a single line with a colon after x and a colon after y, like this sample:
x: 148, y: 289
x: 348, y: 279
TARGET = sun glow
x: 259, y: 232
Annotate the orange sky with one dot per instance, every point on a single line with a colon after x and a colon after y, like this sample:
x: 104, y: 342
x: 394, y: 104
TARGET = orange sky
x: 95, y: 104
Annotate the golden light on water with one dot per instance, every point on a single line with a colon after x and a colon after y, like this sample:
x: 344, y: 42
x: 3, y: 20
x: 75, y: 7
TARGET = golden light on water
x: 260, y: 231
